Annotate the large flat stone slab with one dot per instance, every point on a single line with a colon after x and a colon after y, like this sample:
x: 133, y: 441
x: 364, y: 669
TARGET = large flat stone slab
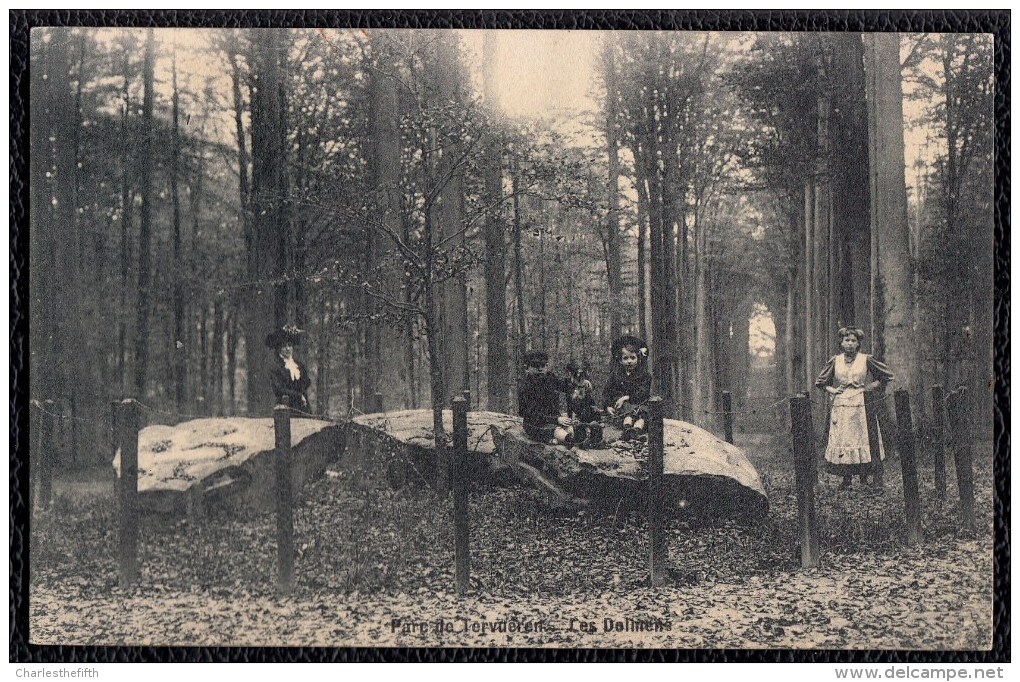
x: 230, y: 458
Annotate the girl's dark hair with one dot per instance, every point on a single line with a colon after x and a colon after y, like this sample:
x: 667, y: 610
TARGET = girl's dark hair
x: 851, y: 331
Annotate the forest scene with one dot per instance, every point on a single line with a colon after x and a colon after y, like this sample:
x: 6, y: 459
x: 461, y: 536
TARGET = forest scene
x: 428, y: 219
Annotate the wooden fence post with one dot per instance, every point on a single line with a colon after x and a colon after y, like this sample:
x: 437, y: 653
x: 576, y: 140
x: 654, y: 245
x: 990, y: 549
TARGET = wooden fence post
x: 727, y: 406
x: 804, y: 468
x: 938, y: 438
x: 377, y: 402
x: 659, y: 555
x: 908, y: 462
x: 284, y: 500
x: 127, y: 423
x: 461, y: 474
x: 960, y: 437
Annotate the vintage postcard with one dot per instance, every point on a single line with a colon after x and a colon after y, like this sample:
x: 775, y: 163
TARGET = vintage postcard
x: 511, y: 338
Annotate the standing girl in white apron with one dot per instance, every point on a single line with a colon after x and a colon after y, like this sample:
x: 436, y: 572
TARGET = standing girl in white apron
x: 855, y: 382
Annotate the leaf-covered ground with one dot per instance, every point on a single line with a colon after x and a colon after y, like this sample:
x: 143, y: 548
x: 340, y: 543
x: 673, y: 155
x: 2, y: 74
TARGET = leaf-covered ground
x: 375, y: 568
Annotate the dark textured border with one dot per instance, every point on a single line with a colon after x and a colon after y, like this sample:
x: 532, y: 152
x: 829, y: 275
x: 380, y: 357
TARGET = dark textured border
x: 21, y: 22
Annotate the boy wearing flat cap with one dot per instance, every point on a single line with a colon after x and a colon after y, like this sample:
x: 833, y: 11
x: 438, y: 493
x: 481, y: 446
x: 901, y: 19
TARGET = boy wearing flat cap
x: 538, y: 400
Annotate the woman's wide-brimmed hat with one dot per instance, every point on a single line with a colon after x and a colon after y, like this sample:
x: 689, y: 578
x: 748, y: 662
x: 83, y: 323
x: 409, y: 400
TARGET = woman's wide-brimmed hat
x: 288, y: 335
x: 628, y: 340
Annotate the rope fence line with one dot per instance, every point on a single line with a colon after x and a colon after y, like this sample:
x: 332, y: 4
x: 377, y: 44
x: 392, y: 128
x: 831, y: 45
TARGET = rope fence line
x: 354, y: 412
x: 37, y: 404
x: 781, y: 402
x: 67, y: 417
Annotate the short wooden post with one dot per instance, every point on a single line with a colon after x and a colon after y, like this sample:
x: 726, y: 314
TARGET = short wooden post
x: 127, y: 423
x: 727, y: 406
x: 461, y: 473
x: 960, y: 438
x: 284, y: 500
x: 804, y: 469
x: 377, y: 402
x: 908, y: 462
x: 938, y: 438
x: 47, y: 452
x: 658, y: 557
x: 467, y: 397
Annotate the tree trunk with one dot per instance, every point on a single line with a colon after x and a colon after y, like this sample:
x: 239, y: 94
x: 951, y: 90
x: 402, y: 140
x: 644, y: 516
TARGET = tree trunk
x: 614, y: 268
x: 808, y: 259
x: 892, y: 299
x: 300, y: 232
x: 216, y: 404
x: 126, y: 207
x: 43, y: 234
x: 322, y: 377
x: 195, y: 195
x: 283, y: 273
x: 203, y: 400
x: 642, y: 251
x: 796, y: 379
x: 178, y: 348
x: 243, y: 184
x: 455, y: 311
x: 264, y: 259
x: 522, y: 330
x: 701, y: 395
x: 145, y: 233
x: 245, y: 200
x: 821, y: 247
x: 386, y: 368
x: 543, y: 321
x: 233, y: 330
x: 436, y: 380
x: 664, y: 296
x: 779, y: 319
x: 497, y: 355
x: 848, y: 128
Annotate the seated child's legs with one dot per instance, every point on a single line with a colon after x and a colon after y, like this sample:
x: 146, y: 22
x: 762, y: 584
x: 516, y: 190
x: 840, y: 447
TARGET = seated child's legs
x: 639, y: 425
x: 581, y: 432
x: 540, y: 434
x: 628, y: 422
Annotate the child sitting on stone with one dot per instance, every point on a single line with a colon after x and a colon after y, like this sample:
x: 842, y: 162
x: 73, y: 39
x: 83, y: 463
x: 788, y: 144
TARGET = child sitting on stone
x: 629, y: 385
x: 538, y: 401
x: 581, y: 408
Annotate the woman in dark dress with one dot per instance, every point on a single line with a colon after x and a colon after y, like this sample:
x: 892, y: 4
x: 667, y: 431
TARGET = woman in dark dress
x: 289, y: 377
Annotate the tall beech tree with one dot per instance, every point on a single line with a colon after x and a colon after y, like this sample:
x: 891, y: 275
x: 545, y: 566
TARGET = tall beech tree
x: 892, y: 279
x: 266, y: 295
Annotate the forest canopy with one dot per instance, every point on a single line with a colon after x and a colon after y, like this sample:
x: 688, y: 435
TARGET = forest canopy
x: 426, y: 209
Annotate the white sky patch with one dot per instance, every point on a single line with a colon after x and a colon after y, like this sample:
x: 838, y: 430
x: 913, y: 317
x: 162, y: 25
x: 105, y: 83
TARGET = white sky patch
x: 762, y: 333
x: 541, y: 75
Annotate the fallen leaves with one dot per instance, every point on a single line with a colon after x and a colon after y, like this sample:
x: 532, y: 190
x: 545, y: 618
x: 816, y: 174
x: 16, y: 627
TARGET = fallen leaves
x: 369, y: 555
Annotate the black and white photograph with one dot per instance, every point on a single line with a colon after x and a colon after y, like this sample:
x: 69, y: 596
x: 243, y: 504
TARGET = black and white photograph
x: 554, y: 339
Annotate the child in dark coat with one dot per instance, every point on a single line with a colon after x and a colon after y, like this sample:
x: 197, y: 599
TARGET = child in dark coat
x: 538, y: 400
x: 629, y: 386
